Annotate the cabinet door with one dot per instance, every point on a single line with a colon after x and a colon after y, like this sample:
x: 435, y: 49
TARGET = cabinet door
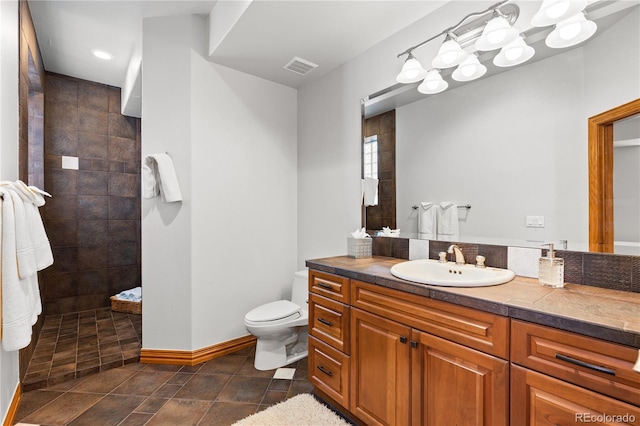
x: 541, y: 400
x: 456, y: 385
x: 379, y: 369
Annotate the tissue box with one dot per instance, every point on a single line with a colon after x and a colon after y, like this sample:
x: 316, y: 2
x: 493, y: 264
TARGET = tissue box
x: 359, y: 248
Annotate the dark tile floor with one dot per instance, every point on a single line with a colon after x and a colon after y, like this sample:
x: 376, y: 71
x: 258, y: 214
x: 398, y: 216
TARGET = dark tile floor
x: 74, y: 345
x: 218, y: 392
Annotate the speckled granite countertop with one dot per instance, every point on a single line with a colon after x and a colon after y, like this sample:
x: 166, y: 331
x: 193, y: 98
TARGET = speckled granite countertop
x: 605, y: 314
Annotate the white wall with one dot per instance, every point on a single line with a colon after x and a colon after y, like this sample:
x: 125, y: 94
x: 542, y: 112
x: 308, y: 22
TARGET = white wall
x: 329, y: 138
x: 9, y: 369
x: 231, y: 245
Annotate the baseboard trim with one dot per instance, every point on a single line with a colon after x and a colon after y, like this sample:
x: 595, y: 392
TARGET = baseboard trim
x: 13, y: 407
x: 163, y: 356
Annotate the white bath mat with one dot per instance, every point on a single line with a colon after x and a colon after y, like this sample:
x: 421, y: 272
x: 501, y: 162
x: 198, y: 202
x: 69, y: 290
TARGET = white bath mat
x: 301, y: 410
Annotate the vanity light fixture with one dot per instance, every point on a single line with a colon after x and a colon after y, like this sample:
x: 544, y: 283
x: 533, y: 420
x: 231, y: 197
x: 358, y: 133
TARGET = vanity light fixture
x: 469, y: 69
x: 514, y: 53
x: 498, y: 33
x: 412, y: 71
x: 433, y: 83
x: 553, y: 11
x: 491, y: 29
x: 571, y: 31
x: 449, y: 55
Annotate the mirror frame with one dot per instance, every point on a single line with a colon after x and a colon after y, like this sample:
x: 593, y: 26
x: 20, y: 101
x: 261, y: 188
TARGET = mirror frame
x: 600, y: 135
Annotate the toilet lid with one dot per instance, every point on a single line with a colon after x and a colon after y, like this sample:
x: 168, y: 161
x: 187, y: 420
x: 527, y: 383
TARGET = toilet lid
x: 272, y: 311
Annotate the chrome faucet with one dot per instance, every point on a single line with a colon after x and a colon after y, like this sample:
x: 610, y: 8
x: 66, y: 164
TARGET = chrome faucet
x: 458, y: 254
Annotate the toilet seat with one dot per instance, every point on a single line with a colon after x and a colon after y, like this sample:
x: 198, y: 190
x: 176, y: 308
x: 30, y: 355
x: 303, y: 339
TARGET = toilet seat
x: 280, y: 311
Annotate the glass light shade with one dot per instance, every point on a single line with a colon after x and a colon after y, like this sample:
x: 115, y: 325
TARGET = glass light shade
x: 433, y: 83
x: 498, y: 33
x: 469, y: 69
x: 411, y: 71
x: 514, y: 53
x: 571, y: 31
x: 449, y: 55
x: 554, y: 11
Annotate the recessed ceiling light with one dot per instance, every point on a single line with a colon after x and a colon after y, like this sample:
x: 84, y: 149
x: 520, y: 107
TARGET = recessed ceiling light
x: 102, y: 54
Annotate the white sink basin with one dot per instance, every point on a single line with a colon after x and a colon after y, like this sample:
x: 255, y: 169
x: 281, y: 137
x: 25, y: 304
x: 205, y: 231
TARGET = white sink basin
x: 432, y: 272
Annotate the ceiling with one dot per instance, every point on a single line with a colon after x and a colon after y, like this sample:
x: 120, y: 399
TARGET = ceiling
x: 267, y: 35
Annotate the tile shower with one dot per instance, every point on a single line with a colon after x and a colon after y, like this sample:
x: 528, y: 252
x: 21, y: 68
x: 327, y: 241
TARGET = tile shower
x: 93, y: 223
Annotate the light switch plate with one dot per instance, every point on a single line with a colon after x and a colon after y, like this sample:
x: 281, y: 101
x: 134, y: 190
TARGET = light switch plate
x: 535, y: 222
x: 70, y: 163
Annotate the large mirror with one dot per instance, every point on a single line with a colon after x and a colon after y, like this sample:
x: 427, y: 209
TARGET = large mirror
x: 513, y: 145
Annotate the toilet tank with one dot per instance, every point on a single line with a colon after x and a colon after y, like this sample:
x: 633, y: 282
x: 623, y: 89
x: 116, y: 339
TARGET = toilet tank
x: 300, y: 289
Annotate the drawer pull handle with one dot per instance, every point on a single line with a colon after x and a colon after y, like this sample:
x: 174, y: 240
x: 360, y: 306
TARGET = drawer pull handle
x: 327, y: 372
x: 325, y: 322
x: 323, y: 285
x: 586, y: 364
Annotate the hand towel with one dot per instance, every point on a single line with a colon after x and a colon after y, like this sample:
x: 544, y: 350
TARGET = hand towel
x: 427, y: 220
x: 370, y: 191
x: 159, y: 176
x: 448, y: 226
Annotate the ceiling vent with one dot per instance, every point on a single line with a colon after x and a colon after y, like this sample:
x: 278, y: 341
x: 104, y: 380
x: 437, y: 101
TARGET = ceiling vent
x: 300, y: 66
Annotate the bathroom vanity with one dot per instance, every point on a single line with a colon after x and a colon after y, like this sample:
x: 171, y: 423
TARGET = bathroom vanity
x: 391, y: 352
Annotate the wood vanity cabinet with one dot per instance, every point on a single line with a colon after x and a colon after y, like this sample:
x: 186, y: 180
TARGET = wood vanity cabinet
x: 329, y: 335
x: 391, y: 357
x: 562, y: 378
x: 411, y: 362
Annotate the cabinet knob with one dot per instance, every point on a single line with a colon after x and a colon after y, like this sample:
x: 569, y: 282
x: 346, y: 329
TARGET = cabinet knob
x: 414, y: 344
x: 403, y: 339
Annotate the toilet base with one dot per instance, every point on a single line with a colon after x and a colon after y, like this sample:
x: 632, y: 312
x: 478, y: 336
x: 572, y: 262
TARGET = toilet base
x: 272, y: 354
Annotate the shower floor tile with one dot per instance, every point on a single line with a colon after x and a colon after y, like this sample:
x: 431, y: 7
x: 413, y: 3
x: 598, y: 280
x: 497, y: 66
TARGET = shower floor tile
x: 83, y: 343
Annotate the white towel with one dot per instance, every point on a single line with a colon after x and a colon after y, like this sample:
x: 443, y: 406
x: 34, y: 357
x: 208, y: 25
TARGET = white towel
x: 134, y: 294
x: 448, y: 226
x: 17, y: 294
x: 370, y: 191
x: 427, y: 220
x: 159, y: 177
x: 33, y: 249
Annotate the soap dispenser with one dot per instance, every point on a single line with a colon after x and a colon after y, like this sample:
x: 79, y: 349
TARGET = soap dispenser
x: 551, y: 269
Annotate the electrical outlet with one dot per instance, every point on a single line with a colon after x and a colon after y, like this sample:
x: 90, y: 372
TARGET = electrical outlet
x: 535, y: 222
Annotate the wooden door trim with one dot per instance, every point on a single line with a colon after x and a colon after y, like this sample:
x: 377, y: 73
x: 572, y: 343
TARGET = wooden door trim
x: 601, y: 175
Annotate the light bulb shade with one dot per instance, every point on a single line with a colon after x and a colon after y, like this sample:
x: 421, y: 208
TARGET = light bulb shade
x: 553, y: 11
x: 449, y: 55
x: 411, y: 71
x: 514, y: 53
x: 469, y: 69
x: 571, y: 31
x: 498, y: 33
x: 433, y: 83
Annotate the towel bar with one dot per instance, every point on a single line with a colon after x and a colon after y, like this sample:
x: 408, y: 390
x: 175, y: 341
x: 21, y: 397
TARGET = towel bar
x: 466, y: 206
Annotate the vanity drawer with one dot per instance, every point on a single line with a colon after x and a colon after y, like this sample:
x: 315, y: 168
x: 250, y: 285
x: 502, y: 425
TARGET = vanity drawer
x: 329, y: 321
x: 591, y: 363
x: 329, y: 371
x: 329, y: 285
x: 479, y: 330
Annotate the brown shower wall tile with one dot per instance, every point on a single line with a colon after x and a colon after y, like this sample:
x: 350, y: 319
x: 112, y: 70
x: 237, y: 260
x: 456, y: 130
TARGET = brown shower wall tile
x: 93, y: 218
x: 93, y: 146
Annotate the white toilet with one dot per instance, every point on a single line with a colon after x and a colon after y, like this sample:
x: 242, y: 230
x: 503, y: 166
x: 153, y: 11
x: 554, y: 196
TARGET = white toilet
x: 281, y: 327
